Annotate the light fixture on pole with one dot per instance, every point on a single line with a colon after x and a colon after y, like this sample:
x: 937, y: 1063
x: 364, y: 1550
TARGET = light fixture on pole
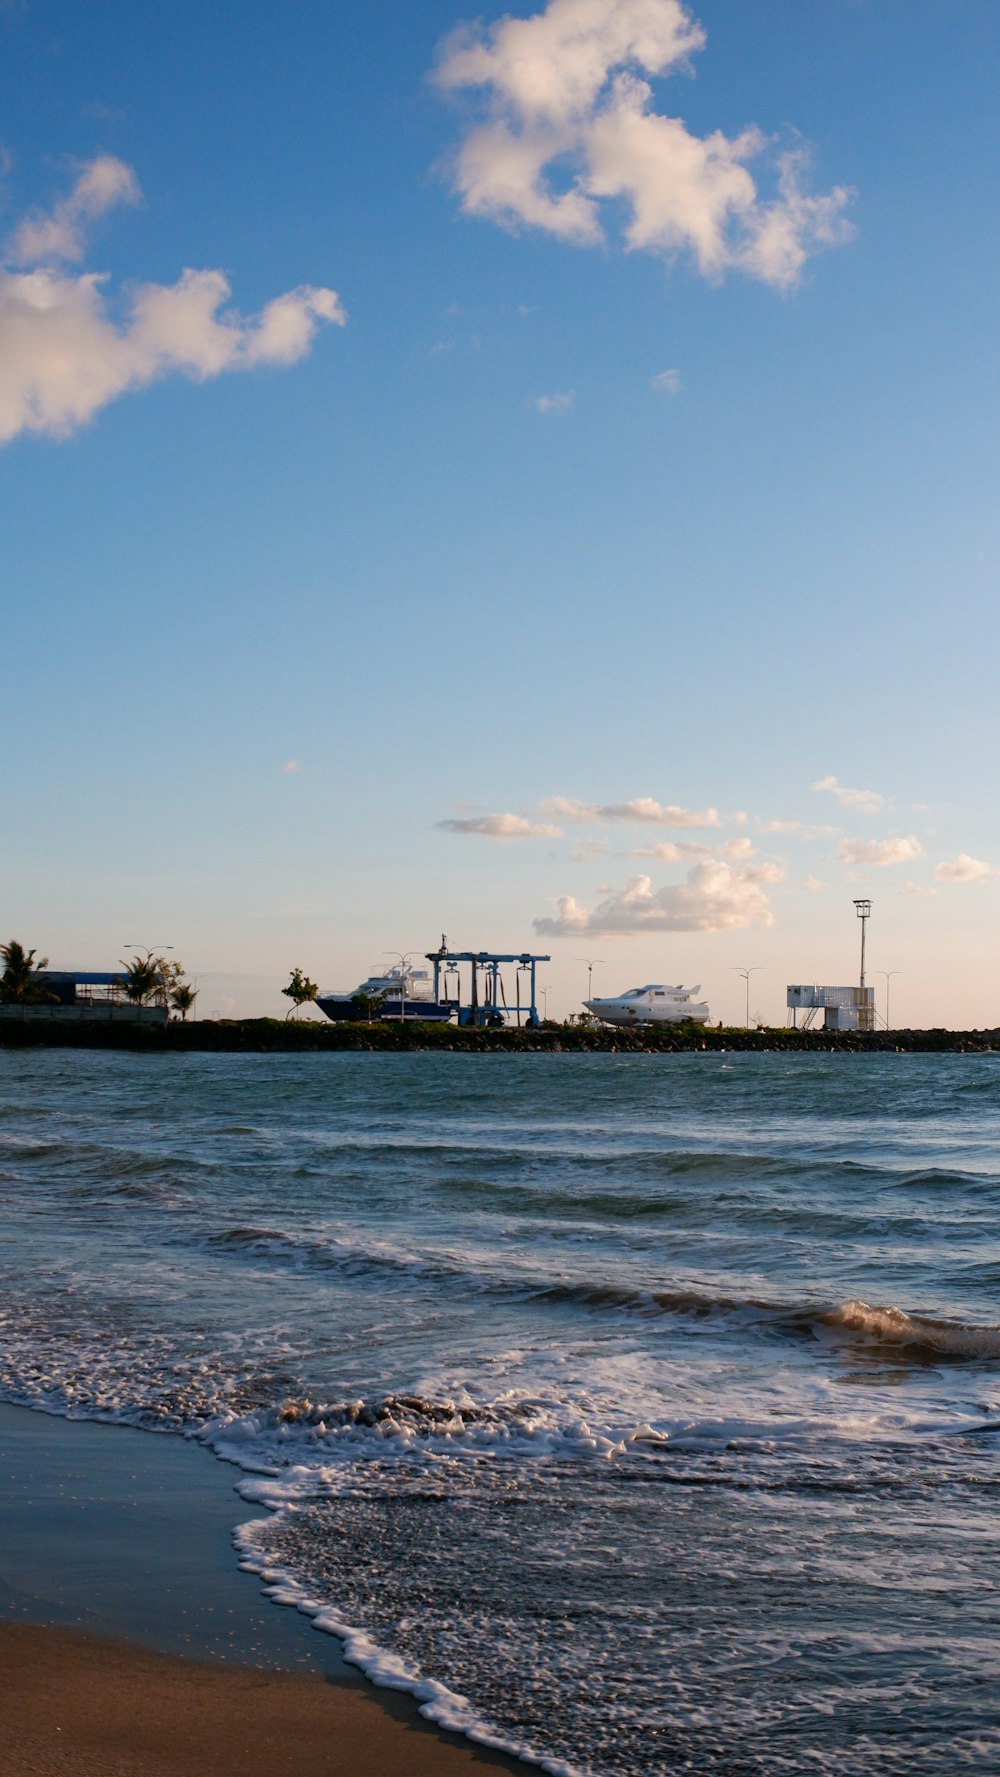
x: 404, y: 965
x: 887, y: 975
x: 758, y: 969
x: 866, y: 1014
x: 592, y: 964
x: 864, y: 911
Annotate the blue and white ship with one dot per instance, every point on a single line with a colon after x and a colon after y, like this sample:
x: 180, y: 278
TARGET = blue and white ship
x: 399, y: 992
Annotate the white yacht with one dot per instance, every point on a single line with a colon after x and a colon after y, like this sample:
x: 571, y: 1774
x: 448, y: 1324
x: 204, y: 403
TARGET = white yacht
x: 399, y: 992
x: 653, y: 1004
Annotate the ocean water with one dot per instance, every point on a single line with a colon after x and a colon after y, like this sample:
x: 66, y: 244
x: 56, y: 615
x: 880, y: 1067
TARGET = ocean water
x: 641, y: 1414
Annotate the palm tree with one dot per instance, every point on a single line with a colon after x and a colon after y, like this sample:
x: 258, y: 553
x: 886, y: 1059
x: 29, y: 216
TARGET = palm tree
x: 19, y: 981
x: 142, y: 978
x: 182, y: 997
x: 300, y: 990
x: 171, y: 976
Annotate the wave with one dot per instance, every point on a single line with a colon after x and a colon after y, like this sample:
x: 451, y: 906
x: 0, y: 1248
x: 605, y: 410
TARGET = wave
x: 437, y: 1702
x: 361, y: 1259
x: 873, y: 1326
x: 916, y: 1335
x: 349, y: 1258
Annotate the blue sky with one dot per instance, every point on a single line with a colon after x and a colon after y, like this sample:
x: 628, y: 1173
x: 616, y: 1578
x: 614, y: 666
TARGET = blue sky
x: 638, y: 477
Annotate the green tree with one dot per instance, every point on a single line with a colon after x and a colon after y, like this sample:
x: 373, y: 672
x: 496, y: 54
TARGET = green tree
x: 182, y: 997
x: 300, y: 990
x: 152, y: 978
x: 19, y: 982
x: 171, y: 977
x: 143, y: 978
x: 367, y: 1004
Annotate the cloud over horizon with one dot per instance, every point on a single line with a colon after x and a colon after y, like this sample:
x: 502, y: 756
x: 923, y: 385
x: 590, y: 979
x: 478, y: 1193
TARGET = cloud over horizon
x: 868, y: 801
x: 672, y: 851
x: 963, y: 869
x: 640, y: 811
x: 880, y: 854
x: 715, y: 897
x: 60, y: 235
x: 559, y: 402
x: 797, y: 829
x: 567, y: 125
x: 666, y: 382
x: 68, y: 346
x: 500, y: 826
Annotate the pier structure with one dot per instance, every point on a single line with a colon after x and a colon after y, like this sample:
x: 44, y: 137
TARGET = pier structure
x: 843, y: 1008
x: 82, y: 996
x: 488, y: 1002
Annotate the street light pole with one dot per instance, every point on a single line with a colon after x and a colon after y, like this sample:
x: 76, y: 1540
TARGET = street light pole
x: 887, y: 974
x: 592, y: 964
x: 404, y: 962
x: 758, y: 969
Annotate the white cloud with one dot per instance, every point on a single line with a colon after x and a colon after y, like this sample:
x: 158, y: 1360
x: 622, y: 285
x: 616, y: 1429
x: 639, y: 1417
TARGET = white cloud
x: 559, y: 402
x: 916, y: 890
x: 667, y: 382
x: 737, y: 848
x: 879, y: 854
x: 589, y: 851
x: 65, y: 351
x: 716, y: 897
x: 795, y: 829
x: 671, y: 851
x: 568, y: 88
x: 290, y: 767
x: 642, y: 810
x: 963, y: 869
x: 813, y: 886
x: 500, y: 826
x: 868, y: 801
x: 43, y: 239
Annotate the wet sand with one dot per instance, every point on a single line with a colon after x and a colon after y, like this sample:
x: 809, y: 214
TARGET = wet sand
x: 131, y: 1645
x: 88, y: 1707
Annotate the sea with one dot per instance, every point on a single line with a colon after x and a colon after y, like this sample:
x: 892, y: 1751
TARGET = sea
x: 639, y: 1414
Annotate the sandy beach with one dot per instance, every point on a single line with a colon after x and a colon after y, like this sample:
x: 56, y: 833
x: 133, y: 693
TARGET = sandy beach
x: 132, y: 1646
x: 89, y: 1707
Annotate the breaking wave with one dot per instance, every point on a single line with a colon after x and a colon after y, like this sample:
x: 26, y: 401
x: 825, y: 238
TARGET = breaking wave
x: 917, y: 1335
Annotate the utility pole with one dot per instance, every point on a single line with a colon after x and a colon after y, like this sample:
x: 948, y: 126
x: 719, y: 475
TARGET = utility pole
x: 591, y: 966
x: 758, y: 969
x: 887, y: 975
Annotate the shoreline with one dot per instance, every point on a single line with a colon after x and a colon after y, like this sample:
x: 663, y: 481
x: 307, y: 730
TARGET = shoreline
x: 269, y: 1035
x: 130, y: 1637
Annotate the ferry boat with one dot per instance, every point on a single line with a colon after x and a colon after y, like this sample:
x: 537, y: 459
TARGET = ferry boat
x: 400, y: 992
x: 652, y: 1004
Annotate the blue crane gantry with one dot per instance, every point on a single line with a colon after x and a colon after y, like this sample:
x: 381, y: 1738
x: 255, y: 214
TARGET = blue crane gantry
x: 487, y: 1003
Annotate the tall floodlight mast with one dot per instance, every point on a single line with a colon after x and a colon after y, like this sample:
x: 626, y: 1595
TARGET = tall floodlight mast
x: 863, y: 909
